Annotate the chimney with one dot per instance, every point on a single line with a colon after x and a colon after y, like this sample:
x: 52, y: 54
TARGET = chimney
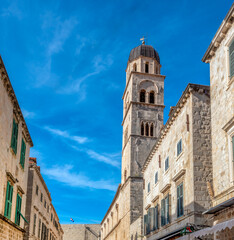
x: 32, y: 161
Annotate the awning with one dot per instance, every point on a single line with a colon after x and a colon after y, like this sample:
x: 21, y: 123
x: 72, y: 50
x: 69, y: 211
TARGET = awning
x: 220, y: 206
x: 210, y: 230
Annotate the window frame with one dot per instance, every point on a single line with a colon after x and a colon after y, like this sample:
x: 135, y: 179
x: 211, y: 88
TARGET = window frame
x: 8, y: 200
x: 18, y: 209
x: 156, y: 174
x: 180, y: 200
x: 166, y: 167
x: 22, y: 153
x: 14, y: 136
x: 179, y: 147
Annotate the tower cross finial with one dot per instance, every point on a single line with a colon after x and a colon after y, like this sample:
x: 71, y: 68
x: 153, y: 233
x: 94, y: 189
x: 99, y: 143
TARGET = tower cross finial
x: 143, y: 40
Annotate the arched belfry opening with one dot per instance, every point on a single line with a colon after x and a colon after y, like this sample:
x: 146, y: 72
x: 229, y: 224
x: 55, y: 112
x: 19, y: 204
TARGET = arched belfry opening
x: 147, y: 67
x: 142, y: 95
x: 151, y: 97
x: 142, y: 129
x: 147, y: 129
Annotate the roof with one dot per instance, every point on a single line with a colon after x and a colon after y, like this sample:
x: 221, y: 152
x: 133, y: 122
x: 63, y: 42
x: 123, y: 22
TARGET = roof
x: 80, y: 231
x: 220, y: 206
x: 12, y: 96
x: 145, y: 51
x: 219, y: 36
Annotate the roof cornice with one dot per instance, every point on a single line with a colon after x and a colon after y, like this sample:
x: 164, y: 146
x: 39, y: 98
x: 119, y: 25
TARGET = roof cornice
x: 12, y: 96
x: 220, y: 35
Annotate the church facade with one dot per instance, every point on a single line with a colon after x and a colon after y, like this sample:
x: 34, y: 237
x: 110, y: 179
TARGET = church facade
x: 177, y: 178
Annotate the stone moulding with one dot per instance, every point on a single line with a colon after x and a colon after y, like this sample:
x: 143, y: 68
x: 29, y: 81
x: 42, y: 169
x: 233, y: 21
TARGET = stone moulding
x: 11, y: 177
x: 20, y: 190
x: 155, y: 199
x: 147, y: 207
x: 165, y: 188
x: 179, y: 175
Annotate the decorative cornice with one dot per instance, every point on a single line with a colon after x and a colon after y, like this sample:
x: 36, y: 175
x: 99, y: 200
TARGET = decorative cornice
x: 229, y: 125
x: 179, y: 175
x: 11, y: 177
x: 11, y: 223
x: 155, y: 199
x: 175, y: 112
x: 219, y: 36
x: 147, y: 207
x: 11, y: 94
x: 165, y: 188
x: 20, y: 190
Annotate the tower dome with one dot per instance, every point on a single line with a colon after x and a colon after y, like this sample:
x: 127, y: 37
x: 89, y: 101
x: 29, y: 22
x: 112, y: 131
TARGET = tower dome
x: 145, y: 51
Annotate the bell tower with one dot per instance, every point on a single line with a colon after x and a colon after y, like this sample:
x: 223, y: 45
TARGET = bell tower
x: 143, y: 100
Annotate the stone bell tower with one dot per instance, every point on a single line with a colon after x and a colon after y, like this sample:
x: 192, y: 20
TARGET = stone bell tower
x: 143, y: 100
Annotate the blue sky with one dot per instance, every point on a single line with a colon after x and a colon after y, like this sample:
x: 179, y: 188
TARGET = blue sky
x: 66, y: 61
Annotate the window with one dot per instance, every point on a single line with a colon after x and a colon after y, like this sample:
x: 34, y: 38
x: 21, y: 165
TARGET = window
x: 41, y: 197
x: 135, y: 67
x: 148, y: 187
x: 18, y: 209
x: 146, y: 67
x: 14, y: 136
x: 151, y: 97
x: 156, y: 177
x: 22, y: 154
x: 156, y: 217
x: 180, y: 204
x: 147, y: 129
x: 142, y: 129
x: 179, y: 147
x: 151, y: 220
x: 231, y: 59
x: 152, y: 130
x: 37, y: 188
x: 142, y: 96
x: 165, y: 211
x: 34, y: 224
x: 8, y: 203
x: 45, y: 204
x: 48, y: 209
x: 39, y: 228
x: 51, y: 218
x: 166, y: 164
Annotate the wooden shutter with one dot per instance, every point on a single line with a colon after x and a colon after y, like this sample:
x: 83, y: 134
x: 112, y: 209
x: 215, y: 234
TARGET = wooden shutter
x: 18, y: 209
x: 167, y: 209
x: 151, y: 219
x: 8, y: 203
x: 181, y: 200
x: 231, y: 58
x: 178, y: 201
x: 156, y: 217
x: 163, y: 212
x: 14, y: 136
x: 233, y: 148
x: 145, y: 224
x: 22, y: 155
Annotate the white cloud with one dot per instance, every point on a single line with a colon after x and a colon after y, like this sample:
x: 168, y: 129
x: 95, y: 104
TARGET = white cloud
x: 65, y: 134
x: 65, y: 175
x: 12, y: 10
x: 28, y: 114
x: 103, y: 158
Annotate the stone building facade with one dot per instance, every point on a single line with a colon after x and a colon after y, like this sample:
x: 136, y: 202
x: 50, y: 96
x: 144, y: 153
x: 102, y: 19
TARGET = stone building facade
x: 142, y: 120
x: 179, y: 169
x: 81, y: 231
x: 40, y: 213
x: 15, y: 144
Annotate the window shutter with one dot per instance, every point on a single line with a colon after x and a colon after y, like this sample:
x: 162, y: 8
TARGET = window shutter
x: 181, y: 200
x: 8, y: 202
x: 163, y: 212
x: 167, y: 209
x: 231, y: 58
x: 18, y: 209
x: 156, y: 217
x: 145, y: 224
x: 233, y: 148
x: 178, y: 201
x: 151, y: 219
x: 22, y: 155
x: 14, y: 136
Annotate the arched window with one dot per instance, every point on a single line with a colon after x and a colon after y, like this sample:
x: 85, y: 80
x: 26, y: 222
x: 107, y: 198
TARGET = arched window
x: 147, y: 129
x: 147, y: 67
x: 151, y: 97
x: 142, y: 129
x: 142, y: 96
x: 135, y: 67
x: 152, y: 130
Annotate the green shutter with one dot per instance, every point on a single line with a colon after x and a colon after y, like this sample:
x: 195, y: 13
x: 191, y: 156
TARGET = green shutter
x: 146, y: 224
x: 14, y: 136
x: 163, y: 212
x: 18, y: 209
x: 167, y: 209
x: 231, y: 58
x: 156, y: 217
x: 22, y: 155
x: 8, y: 202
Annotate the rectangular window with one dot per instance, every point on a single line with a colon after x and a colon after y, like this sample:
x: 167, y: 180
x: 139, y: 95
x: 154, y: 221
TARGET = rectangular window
x: 156, y: 177
x: 166, y: 164
x: 231, y: 59
x: 179, y: 147
x: 156, y: 217
x: 148, y: 187
x: 18, y: 209
x: 14, y: 136
x: 39, y: 228
x: 8, y: 203
x: 180, y: 203
x: 34, y: 224
x: 165, y: 214
x: 146, y: 225
x: 41, y: 197
x: 37, y: 189
x: 22, y: 154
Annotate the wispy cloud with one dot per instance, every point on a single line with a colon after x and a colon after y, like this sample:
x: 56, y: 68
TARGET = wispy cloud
x: 103, y: 158
x: 12, y: 10
x: 66, y: 134
x: 66, y: 175
x: 28, y: 114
